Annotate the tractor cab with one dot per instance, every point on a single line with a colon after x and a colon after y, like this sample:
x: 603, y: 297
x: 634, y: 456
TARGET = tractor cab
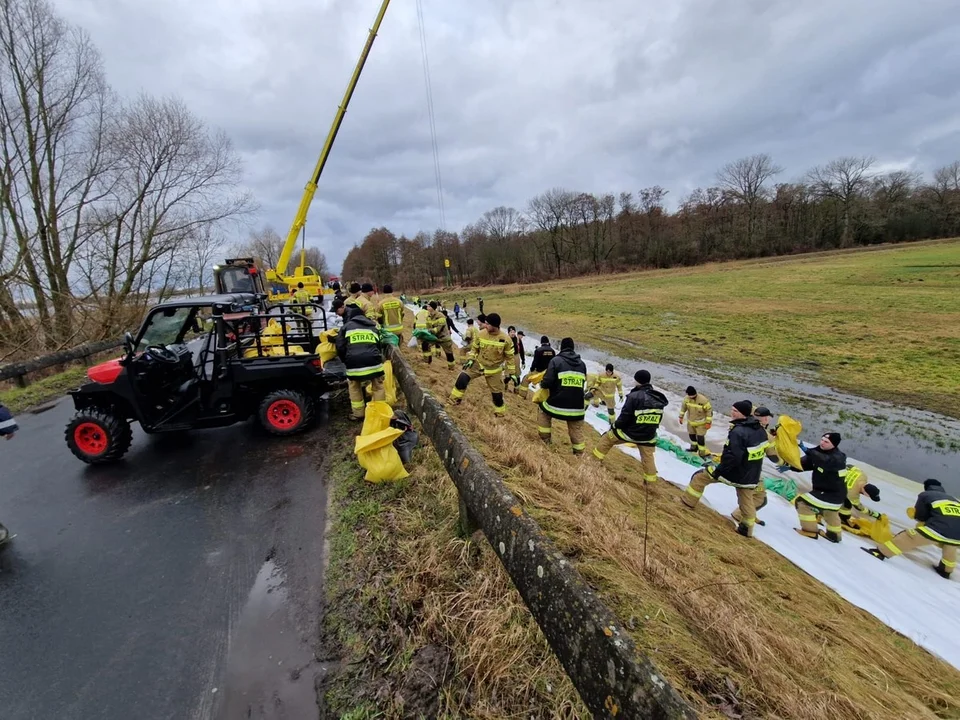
x: 240, y: 275
x: 199, y: 363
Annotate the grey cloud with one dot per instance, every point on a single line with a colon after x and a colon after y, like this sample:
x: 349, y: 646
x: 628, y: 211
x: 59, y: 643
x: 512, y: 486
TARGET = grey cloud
x: 608, y: 95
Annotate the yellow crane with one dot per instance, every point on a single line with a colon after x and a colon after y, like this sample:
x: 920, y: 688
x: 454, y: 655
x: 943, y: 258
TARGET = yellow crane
x: 312, y: 282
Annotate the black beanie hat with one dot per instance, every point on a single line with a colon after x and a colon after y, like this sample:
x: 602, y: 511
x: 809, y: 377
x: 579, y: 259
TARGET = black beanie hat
x: 745, y: 407
x: 691, y: 390
x: 567, y: 344
x: 434, y: 304
x: 833, y: 437
x: 366, y: 287
x: 544, y: 340
x: 642, y: 376
x: 493, y: 319
x: 872, y: 491
x: 354, y: 288
x: 931, y: 483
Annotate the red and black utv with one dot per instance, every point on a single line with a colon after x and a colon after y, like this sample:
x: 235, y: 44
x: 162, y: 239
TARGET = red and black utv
x: 201, y: 363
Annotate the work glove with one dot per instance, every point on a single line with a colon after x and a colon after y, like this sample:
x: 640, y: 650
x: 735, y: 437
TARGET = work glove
x: 874, y: 514
x: 803, y: 447
x: 911, y: 512
x: 515, y: 379
x: 711, y: 469
x: 784, y: 468
x: 468, y: 364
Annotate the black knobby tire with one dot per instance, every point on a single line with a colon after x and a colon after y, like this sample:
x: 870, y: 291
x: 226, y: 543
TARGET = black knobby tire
x: 98, y: 436
x: 285, y: 412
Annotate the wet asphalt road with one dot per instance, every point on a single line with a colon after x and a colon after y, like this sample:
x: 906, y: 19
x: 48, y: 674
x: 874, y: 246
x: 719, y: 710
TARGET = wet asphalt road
x: 129, y: 591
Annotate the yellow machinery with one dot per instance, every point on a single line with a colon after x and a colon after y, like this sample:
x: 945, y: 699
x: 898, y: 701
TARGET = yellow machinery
x: 278, y: 278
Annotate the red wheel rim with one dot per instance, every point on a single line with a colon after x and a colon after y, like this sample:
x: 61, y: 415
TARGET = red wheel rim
x: 90, y: 438
x: 283, y: 414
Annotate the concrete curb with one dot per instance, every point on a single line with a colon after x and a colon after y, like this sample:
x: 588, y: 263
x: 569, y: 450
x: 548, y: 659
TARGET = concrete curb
x: 613, y: 679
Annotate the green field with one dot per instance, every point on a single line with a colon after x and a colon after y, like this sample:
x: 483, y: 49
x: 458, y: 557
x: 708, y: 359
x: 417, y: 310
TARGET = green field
x: 881, y: 323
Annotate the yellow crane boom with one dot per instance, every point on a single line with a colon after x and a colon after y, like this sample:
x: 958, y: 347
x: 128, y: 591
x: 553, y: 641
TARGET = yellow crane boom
x: 278, y: 274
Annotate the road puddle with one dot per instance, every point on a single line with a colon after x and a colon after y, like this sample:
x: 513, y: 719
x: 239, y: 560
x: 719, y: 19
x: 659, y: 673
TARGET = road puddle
x: 269, y: 671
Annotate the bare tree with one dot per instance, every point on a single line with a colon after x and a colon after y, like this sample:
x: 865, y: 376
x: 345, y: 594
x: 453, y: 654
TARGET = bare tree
x: 264, y: 245
x: 53, y: 111
x: 169, y: 179
x: 844, y: 180
x: 549, y: 213
x: 745, y: 180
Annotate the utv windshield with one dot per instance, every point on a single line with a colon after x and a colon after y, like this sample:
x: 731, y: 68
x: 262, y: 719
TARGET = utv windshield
x: 236, y: 280
x: 166, y: 327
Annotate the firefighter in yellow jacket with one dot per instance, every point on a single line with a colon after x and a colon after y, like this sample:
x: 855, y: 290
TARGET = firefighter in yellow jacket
x: 421, y: 322
x: 492, y: 349
x: 696, y: 406
x: 437, y: 324
x: 858, y: 485
x: 390, y: 312
x: 606, y: 387
x: 468, y: 337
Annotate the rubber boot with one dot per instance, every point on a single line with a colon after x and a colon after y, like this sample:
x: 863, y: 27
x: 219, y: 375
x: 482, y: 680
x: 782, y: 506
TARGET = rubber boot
x: 875, y: 552
x: 833, y: 537
x: 808, y: 534
x: 743, y: 530
x: 942, y: 570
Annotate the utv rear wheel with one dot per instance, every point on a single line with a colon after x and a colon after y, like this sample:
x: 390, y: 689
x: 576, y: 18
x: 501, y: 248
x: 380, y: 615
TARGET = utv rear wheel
x: 285, y: 412
x: 98, y: 436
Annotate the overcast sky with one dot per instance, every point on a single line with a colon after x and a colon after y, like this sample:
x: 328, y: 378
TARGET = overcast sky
x: 595, y: 95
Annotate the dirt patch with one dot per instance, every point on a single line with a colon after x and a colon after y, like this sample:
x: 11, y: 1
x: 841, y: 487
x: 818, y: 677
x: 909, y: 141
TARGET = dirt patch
x: 429, y: 670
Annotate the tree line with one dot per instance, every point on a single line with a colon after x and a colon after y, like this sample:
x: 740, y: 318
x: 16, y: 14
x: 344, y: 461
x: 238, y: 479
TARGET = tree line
x: 107, y: 204
x: 744, y: 214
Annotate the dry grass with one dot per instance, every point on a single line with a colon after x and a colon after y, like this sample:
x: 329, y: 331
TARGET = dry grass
x: 401, y: 580
x: 735, y: 626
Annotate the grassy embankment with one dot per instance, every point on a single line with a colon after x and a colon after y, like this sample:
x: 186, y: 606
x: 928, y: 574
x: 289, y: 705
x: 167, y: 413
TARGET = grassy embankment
x: 427, y: 622
x: 735, y: 626
x: 42, y: 390
x: 882, y: 323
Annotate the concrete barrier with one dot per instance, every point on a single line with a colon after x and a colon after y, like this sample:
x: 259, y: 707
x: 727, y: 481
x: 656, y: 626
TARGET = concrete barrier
x: 612, y: 677
x: 18, y: 371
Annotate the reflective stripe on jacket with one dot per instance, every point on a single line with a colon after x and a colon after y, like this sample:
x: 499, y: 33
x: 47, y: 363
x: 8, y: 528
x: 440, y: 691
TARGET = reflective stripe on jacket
x: 492, y: 350
x: 699, y: 410
x: 390, y: 312
x: 940, y: 515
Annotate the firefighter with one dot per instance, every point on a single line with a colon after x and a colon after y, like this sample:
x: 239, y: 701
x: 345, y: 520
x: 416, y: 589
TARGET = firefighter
x: 565, y: 379
x: 858, y: 484
x: 390, y: 312
x: 480, y: 304
x: 8, y: 428
x: 514, y: 377
x: 739, y: 467
x: 639, y: 419
x: 829, y: 467
x: 482, y: 321
x: 468, y: 337
x: 439, y: 324
x: 422, y: 322
x: 302, y: 297
x: 491, y: 350
x: 763, y: 415
x: 699, y: 414
x: 541, y: 359
x: 606, y: 387
x: 365, y: 301
x: 359, y: 347
x: 354, y: 294
x: 938, y: 523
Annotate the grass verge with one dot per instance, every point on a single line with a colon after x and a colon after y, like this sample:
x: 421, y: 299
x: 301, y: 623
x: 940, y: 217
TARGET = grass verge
x: 738, y: 629
x: 862, y: 321
x: 427, y: 623
x: 42, y: 390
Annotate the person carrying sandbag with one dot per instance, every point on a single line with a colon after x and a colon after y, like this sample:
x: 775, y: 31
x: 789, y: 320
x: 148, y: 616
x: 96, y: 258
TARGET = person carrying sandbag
x: 361, y: 350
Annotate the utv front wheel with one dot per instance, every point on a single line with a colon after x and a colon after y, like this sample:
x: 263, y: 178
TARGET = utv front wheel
x: 98, y: 436
x: 285, y: 412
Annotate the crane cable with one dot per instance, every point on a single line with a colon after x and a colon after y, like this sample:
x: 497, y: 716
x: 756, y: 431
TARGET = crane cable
x: 430, y: 114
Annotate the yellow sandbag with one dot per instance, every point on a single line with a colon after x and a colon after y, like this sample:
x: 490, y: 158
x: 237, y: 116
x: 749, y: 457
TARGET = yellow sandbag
x: 326, y: 349
x: 540, y: 395
x: 389, y: 383
x: 877, y: 530
x: 787, y: 433
x: 374, y: 446
x: 536, y: 378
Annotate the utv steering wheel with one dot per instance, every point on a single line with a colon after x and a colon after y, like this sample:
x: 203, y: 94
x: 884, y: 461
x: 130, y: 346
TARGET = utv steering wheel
x: 163, y: 354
